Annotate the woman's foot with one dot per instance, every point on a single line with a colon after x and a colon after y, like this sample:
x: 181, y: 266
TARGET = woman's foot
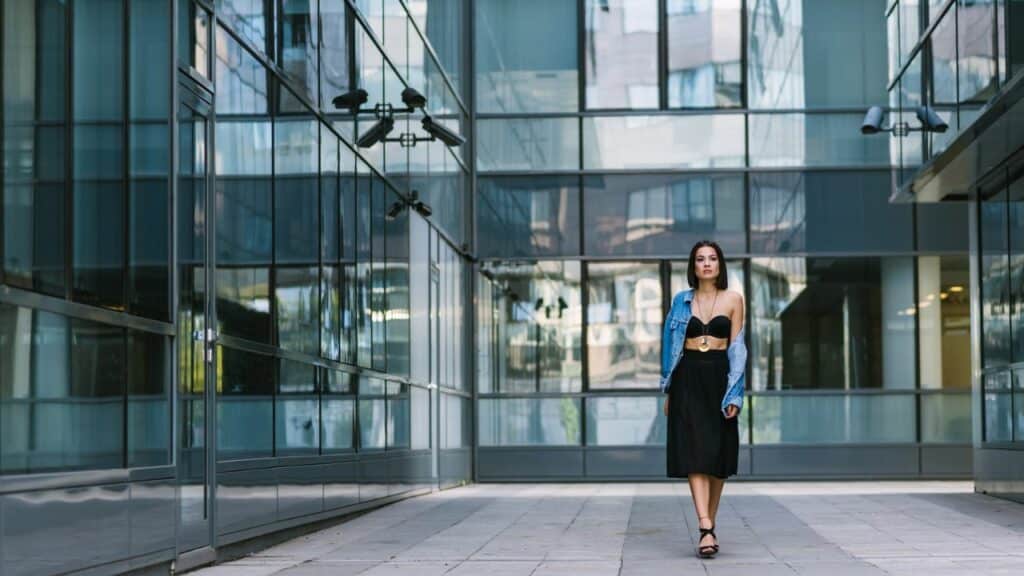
x: 707, y: 547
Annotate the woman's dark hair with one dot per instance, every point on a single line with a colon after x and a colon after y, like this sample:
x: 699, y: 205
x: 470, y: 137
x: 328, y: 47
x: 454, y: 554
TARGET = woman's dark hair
x: 722, y: 282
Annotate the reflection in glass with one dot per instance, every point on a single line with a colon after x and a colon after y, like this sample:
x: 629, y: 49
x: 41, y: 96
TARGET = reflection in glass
x: 372, y: 424
x: 813, y: 140
x: 946, y: 418
x: 245, y: 405
x: 525, y: 63
x: 194, y: 36
x: 443, y: 26
x: 813, y: 54
x: 396, y: 283
x: 976, y: 62
x: 298, y: 41
x: 528, y: 216
x: 249, y: 18
x: 944, y: 321
x: 661, y: 215
x: 845, y: 323
x: 298, y: 309
x: 536, y: 313
x: 296, y: 409
x: 621, y: 48
x: 338, y: 423
x: 528, y: 144
x: 420, y: 409
x: 529, y: 421
x: 334, y: 51
x: 998, y: 406
x: 149, y: 406
x: 98, y: 244
x: 833, y: 419
x: 995, y: 281
x: 704, y: 62
x: 638, y: 142
x: 398, y: 416
x: 1015, y: 217
x: 827, y: 212
x: 625, y: 421
x: 624, y: 321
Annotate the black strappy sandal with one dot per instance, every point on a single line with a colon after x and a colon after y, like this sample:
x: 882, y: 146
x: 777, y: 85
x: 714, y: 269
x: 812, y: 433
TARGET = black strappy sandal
x: 709, y: 550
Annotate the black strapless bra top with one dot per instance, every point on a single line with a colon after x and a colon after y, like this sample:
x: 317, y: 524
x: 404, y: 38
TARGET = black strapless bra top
x: 719, y: 327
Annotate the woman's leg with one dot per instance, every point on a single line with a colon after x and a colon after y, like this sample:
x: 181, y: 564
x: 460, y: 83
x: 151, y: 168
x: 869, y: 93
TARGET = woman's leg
x: 715, y: 495
x: 700, y: 490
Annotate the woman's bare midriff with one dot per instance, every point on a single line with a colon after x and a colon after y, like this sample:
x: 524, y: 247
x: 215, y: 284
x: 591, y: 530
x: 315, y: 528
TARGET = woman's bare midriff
x: 713, y: 343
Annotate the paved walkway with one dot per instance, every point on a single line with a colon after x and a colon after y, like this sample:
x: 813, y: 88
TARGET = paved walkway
x: 765, y: 529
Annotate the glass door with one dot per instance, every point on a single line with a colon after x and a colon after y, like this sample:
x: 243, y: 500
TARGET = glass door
x: 196, y: 337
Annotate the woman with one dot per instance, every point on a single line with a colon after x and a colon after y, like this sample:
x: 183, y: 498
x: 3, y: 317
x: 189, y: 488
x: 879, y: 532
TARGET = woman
x: 703, y: 358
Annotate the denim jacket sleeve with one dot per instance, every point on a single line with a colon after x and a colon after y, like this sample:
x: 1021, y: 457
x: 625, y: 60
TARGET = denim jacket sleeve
x: 667, y: 346
x: 737, y: 353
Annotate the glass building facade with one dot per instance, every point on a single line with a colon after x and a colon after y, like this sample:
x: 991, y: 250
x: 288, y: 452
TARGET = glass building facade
x: 221, y: 317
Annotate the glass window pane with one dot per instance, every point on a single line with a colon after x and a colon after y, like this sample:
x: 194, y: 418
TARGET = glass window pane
x: 241, y: 79
x: 942, y: 227
x: 845, y: 323
x: 525, y: 63
x: 149, y: 280
x: 529, y: 421
x: 398, y: 416
x: 334, y: 52
x: 655, y: 215
x: 833, y: 419
x: 537, y: 319
x: 98, y: 34
x: 34, y: 228
x: 621, y: 48
x: 297, y: 46
x: 378, y: 299
x: 816, y: 54
x: 443, y: 26
x: 149, y: 406
x: 99, y: 244
x: 529, y: 216
x: 995, y: 281
x: 245, y: 405
x: 625, y: 421
x: 249, y: 18
x: 420, y: 418
x: 194, y: 36
x: 149, y: 54
x: 34, y: 61
x: 827, y: 212
x: 296, y: 194
x: 998, y: 406
x: 298, y: 309
x: 944, y: 62
x: 976, y: 54
x: 704, y: 63
x: 639, y: 142
x: 909, y: 151
x: 624, y: 322
x: 396, y: 283
x: 943, y: 308
x: 893, y: 35
x: 1015, y: 218
x: 338, y: 422
x: 297, y: 409
x: 363, y: 268
x: 372, y: 424
x: 813, y: 140
x: 528, y: 144
x: 910, y: 26
x: 946, y: 418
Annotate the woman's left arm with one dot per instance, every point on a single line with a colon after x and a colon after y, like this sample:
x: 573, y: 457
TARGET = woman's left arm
x: 736, y: 316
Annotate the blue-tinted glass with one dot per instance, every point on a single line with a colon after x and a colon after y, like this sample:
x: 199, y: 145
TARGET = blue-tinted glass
x: 98, y: 34
x: 98, y: 244
x: 98, y: 152
x: 244, y: 223
x: 298, y: 309
x: 149, y: 249
x: 998, y: 406
x: 529, y: 422
x: 841, y: 323
x: 69, y: 374
x: 525, y: 63
x: 910, y: 26
x: 250, y: 18
x: 241, y: 79
x: 656, y: 214
x: 378, y: 298
x: 397, y: 291
x: 529, y: 216
x: 704, y: 53
x: 398, y: 417
x: 34, y: 228
x: 621, y: 54
x: 194, y: 23
x: 816, y: 54
x: 149, y: 57
x: 813, y: 140
x: 827, y: 212
x: 245, y: 405
x: 362, y: 304
x: 443, y: 27
x: 334, y: 52
x: 946, y: 418
x: 243, y: 302
x: 528, y: 144
x: 34, y: 45
x: 298, y: 44
x: 995, y: 281
x: 648, y: 142
x: 297, y: 409
x: 372, y: 424
x: 296, y: 194
x: 976, y: 44
x: 1016, y: 244
x: 338, y: 423
x: 149, y: 406
x: 625, y: 421
x: 833, y: 419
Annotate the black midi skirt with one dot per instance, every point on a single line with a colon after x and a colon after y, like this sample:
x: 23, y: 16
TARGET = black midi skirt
x: 700, y: 439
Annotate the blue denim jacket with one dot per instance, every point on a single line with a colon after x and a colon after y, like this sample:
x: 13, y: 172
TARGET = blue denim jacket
x: 673, y: 337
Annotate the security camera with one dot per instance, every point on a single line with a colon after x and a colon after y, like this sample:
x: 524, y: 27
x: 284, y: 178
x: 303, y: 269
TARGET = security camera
x: 442, y: 133
x: 931, y: 121
x: 351, y: 100
x: 872, y: 121
x: 379, y: 131
x: 413, y: 99
x: 394, y: 211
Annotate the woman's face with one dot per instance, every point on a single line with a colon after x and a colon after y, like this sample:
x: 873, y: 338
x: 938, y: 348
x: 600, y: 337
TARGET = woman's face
x: 707, y: 263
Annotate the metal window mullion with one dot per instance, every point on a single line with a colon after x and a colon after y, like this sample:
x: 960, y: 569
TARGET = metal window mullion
x: 69, y: 151
x: 662, y: 54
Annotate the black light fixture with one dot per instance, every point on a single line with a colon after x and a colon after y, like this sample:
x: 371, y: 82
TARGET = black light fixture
x: 395, y: 209
x: 929, y: 119
x: 419, y: 205
x: 377, y: 133
x: 413, y: 99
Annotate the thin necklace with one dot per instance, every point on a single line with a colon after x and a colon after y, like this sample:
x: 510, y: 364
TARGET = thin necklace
x: 703, y: 347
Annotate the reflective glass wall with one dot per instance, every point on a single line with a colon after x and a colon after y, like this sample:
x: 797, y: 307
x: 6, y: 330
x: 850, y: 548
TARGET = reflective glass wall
x: 600, y: 163
x: 204, y: 275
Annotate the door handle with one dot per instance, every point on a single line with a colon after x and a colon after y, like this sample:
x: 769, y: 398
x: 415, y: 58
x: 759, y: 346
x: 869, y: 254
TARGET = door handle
x: 208, y: 335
